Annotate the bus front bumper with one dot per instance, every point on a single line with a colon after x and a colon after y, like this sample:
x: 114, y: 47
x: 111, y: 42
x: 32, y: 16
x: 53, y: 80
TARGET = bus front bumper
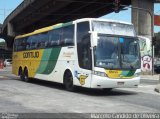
x: 104, y: 82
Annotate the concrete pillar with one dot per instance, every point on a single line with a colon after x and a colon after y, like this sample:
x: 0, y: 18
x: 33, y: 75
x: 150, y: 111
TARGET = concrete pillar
x: 143, y: 23
x: 10, y: 29
x: 142, y: 19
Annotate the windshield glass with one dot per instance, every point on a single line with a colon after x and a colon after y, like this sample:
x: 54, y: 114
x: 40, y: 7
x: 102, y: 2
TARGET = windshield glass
x: 113, y: 28
x: 106, y: 53
x: 113, y: 52
x: 129, y: 53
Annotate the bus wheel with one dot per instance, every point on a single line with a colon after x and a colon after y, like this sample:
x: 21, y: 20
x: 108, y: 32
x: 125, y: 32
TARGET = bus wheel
x: 21, y: 74
x: 26, y: 79
x: 107, y: 89
x: 68, y: 81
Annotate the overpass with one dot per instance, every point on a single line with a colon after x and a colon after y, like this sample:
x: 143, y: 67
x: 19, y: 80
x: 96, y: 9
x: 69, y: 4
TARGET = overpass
x: 34, y: 14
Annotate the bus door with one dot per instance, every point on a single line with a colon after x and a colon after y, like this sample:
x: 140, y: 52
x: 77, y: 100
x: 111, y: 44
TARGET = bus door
x: 83, y: 72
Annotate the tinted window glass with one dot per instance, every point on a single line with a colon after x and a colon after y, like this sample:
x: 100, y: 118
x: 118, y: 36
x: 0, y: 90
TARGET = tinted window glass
x: 55, y: 36
x: 32, y: 42
x: 68, y: 36
x: 83, y: 45
x: 58, y: 37
x: 21, y: 44
x: 16, y: 45
x: 42, y: 41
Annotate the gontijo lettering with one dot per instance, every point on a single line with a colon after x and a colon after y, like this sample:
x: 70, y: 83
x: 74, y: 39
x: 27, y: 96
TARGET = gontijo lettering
x: 31, y: 54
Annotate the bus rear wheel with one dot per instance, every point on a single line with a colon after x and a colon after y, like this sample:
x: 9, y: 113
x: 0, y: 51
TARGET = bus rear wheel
x: 21, y: 74
x: 68, y: 81
x: 26, y: 79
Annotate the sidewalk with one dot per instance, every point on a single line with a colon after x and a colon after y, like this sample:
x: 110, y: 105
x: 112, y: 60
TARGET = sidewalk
x: 153, y: 77
x: 8, y: 68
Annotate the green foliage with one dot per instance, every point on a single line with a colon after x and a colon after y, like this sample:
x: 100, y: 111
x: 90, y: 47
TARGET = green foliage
x: 2, y: 43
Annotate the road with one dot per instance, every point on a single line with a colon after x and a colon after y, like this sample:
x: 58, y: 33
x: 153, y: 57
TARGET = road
x: 46, y: 97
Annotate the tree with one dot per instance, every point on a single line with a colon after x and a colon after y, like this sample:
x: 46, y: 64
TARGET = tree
x: 2, y: 44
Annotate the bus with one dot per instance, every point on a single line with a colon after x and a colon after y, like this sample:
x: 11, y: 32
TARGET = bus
x: 89, y: 52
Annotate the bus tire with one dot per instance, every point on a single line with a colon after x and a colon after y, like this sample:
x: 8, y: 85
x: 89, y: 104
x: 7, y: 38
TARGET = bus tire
x: 21, y: 74
x: 68, y: 81
x: 26, y: 79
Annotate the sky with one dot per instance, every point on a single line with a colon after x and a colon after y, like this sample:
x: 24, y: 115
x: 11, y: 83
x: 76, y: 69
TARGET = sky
x: 7, y: 6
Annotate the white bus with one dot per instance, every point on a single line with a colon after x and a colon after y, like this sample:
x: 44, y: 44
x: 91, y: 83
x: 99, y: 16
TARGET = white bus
x: 89, y: 52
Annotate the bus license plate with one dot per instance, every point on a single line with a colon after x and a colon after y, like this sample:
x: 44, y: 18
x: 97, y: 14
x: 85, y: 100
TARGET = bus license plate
x: 120, y: 83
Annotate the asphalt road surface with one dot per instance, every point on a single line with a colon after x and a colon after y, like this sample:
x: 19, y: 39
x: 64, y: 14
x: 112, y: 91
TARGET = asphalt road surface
x: 47, y: 97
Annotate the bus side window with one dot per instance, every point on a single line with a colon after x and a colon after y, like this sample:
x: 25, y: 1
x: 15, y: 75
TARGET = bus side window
x: 34, y: 42
x: 83, y: 46
x: 41, y: 40
x: 46, y: 44
x: 54, y: 37
x: 68, y: 36
x: 16, y: 45
x: 22, y: 44
x: 29, y: 43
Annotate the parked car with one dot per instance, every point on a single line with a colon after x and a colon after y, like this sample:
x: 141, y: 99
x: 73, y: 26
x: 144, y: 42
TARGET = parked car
x: 7, y: 62
x: 157, y: 67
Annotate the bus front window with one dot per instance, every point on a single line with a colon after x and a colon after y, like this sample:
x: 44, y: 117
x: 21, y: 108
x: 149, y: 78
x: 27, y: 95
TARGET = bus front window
x: 130, y: 53
x: 106, y: 52
x: 113, y: 52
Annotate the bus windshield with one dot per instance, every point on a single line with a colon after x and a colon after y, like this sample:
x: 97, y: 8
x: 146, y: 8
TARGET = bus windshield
x: 113, y: 28
x: 113, y: 52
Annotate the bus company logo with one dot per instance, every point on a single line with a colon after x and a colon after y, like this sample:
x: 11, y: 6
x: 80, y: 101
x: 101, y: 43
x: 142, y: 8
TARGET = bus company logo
x: 30, y: 54
x: 113, y: 71
x: 68, y: 54
x: 82, y: 79
x: 121, y: 76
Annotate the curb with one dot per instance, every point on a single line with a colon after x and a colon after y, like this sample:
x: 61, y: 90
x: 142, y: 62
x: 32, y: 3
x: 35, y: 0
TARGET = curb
x: 149, y: 79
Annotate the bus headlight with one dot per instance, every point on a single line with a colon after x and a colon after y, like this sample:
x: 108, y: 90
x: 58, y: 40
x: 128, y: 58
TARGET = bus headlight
x: 100, y: 73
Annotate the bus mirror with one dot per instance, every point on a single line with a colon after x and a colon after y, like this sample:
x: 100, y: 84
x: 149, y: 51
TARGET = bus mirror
x: 94, y: 39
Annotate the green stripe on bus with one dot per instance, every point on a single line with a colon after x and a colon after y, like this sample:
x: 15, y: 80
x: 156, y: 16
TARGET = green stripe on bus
x: 67, y: 24
x: 62, y: 25
x: 128, y: 73
x: 44, y: 61
x: 51, y: 62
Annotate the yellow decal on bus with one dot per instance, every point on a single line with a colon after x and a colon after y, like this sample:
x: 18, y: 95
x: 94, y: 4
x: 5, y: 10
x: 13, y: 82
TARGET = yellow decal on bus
x: 82, y: 79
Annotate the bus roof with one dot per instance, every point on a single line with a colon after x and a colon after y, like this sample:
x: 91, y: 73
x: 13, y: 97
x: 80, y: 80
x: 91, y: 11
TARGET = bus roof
x: 45, y: 29
x: 59, y: 25
x: 101, y: 19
